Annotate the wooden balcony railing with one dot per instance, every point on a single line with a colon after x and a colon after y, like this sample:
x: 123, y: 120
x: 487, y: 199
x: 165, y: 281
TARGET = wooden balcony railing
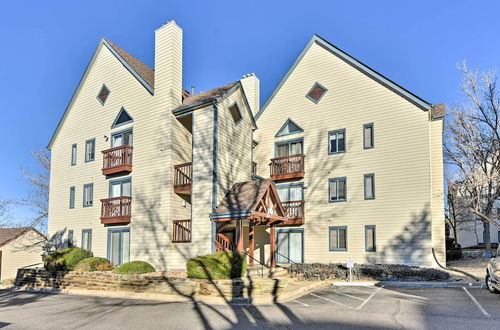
x: 181, y: 231
x: 294, y: 211
x: 182, y: 177
x: 117, y: 159
x: 287, y: 167
x: 222, y: 243
x: 254, y: 168
x: 116, y: 210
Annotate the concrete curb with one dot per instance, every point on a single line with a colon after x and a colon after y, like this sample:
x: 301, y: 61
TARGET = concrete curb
x: 257, y: 300
x: 416, y: 284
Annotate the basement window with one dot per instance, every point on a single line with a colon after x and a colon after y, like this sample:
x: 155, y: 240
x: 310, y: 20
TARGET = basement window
x: 103, y: 94
x: 235, y: 113
x: 316, y: 92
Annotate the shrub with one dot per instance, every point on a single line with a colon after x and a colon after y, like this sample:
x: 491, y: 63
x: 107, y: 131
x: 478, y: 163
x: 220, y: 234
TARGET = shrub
x: 105, y: 267
x: 90, y: 264
x: 220, y: 265
x: 368, y: 271
x: 134, y: 267
x: 65, y: 259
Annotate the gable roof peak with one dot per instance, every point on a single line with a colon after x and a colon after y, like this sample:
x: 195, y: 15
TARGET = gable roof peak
x: 317, y: 39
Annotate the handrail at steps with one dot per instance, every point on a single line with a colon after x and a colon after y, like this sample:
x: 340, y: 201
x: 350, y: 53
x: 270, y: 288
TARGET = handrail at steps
x: 261, y: 264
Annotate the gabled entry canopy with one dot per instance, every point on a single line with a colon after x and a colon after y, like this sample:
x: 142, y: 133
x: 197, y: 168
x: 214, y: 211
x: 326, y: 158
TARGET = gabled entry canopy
x: 255, y: 200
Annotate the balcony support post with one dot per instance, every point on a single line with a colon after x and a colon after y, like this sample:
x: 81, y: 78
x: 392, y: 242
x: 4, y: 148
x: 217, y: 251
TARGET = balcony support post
x: 251, y: 244
x: 239, y: 236
x: 272, y: 244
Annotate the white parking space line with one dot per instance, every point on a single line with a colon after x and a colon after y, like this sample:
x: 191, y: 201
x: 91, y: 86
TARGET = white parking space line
x: 361, y: 291
x: 348, y: 295
x: 299, y: 302
x: 370, y: 297
x: 481, y: 308
x: 332, y: 301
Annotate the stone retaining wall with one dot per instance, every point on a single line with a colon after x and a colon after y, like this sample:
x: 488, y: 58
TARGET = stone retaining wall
x: 108, y: 281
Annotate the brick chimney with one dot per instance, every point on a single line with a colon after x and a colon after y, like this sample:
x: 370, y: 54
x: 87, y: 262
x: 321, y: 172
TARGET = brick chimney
x: 251, y: 86
x: 168, y: 64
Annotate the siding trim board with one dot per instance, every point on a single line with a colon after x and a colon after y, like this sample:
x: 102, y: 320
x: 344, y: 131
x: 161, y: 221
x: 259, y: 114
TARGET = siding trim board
x: 316, y: 39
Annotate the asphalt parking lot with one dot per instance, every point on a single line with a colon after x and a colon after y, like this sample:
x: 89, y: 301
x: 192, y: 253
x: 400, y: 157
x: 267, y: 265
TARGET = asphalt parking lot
x: 330, y: 307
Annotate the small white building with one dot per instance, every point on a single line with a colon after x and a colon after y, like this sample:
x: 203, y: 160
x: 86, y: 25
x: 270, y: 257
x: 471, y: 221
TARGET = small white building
x: 19, y: 247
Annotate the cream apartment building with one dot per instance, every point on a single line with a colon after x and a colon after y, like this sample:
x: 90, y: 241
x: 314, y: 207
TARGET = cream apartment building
x: 339, y: 163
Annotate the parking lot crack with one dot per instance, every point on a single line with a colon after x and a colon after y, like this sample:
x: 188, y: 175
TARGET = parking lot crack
x: 396, y: 312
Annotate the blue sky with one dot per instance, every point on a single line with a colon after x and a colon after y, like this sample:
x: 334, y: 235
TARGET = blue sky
x: 46, y: 46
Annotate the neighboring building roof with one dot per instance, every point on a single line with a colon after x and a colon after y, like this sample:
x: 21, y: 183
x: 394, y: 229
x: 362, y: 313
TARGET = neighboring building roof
x: 208, y: 95
x: 421, y: 103
x: 145, y: 71
x: 243, y: 196
x: 9, y: 234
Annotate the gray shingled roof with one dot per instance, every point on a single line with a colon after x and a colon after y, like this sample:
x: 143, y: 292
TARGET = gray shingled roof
x: 145, y: 71
x: 243, y: 196
x: 210, y: 94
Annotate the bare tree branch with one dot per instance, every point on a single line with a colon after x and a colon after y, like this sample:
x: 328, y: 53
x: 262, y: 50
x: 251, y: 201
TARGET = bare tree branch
x: 472, y: 149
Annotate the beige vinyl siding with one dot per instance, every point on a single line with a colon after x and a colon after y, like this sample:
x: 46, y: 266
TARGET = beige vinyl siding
x: 87, y: 119
x: 24, y: 251
x: 201, y: 193
x: 234, y: 155
x: 437, y: 173
x: 400, y: 161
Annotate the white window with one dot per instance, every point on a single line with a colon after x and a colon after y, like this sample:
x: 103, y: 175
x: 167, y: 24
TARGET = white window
x: 337, y: 190
x: 87, y: 239
x: 120, y: 188
x: 368, y: 136
x: 73, y: 154
x: 289, y: 148
x: 119, y: 245
x: 88, y: 195
x: 369, y: 186
x: 338, y: 238
x: 336, y: 141
x: 90, y: 150
x: 72, y: 197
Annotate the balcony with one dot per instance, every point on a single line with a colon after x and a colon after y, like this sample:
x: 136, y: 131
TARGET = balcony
x: 287, y: 167
x: 294, y: 211
x: 116, y: 210
x: 182, y: 178
x: 181, y: 231
x: 117, y: 160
